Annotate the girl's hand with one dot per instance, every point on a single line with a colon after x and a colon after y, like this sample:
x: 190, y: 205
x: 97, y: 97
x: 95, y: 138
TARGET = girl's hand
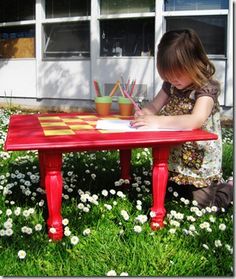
x: 143, y: 122
x: 144, y: 111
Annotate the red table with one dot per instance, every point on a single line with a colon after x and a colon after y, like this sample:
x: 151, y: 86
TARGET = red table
x: 54, y: 134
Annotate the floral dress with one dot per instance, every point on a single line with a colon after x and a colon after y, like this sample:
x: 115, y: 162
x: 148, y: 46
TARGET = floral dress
x: 196, y: 163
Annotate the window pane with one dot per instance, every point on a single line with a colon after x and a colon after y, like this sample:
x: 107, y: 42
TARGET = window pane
x: 127, y: 6
x: 211, y: 30
x: 127, y: 37
x: 80, y: 8
x: 27, y: 9
x: 67, y: 40
x: 182, y: 5
x: 67, y: 8
x: 17, y: 42
x: 16, y: 10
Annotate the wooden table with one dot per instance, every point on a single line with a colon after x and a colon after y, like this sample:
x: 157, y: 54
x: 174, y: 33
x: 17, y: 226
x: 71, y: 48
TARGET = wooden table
x: 54, y: 134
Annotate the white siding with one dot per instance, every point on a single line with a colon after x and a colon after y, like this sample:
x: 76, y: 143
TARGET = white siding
x: 65, y: 79
x: 18, y: 78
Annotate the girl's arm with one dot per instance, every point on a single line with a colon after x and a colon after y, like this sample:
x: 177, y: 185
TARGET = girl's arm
x: 201, y: 111
x: 156, y: 105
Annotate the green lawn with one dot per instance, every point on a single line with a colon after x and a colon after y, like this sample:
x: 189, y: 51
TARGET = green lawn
x: 107, y: 228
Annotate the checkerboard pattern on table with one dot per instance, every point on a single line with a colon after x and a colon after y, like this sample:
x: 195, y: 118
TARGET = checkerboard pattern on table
x: 72, y: 125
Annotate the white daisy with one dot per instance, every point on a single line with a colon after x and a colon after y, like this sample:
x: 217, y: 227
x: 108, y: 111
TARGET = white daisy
x: 21, y: 254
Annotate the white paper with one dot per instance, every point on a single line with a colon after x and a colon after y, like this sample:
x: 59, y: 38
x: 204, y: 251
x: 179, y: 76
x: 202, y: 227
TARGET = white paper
x: 123, y: 125
x: 116, y: 124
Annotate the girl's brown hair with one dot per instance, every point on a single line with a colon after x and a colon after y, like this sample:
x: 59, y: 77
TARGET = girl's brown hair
x: 181, y: 52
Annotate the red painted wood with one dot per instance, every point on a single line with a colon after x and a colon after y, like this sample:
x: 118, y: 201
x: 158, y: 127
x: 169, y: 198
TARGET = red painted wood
x: 125, y: 159
x: 25, y: 133
x: 42, y: 168
x: 159, y: 182
x: 53, y: 183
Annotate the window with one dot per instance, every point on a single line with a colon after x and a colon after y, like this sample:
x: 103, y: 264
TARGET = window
x: 67, y: 8
x: 17, y: 10
x: 181, y: 5
x: 67, y: 40
x: 127, y: 37
x: 17, y: 42
x: 126, y: 6
x: 211, y: 29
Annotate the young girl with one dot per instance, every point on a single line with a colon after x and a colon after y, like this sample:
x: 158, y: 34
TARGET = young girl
x: 188, y: 100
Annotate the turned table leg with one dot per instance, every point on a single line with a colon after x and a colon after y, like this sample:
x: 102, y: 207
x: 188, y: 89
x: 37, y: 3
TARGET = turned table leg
x: 41, y: 169
x: 159, y: 182
x: 53, y: 185
x: 125, y: 163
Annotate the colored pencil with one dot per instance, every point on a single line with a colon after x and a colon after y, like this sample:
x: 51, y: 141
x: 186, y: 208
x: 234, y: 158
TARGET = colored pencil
x: 114, y: 88
x: 97, y: 88
x: 132, y: 87
x: 121, y: 89
x: 100, y: 90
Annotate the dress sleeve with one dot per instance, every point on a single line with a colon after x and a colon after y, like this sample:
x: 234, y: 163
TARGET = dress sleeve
x: 166, y: 87
x: 212, y: 89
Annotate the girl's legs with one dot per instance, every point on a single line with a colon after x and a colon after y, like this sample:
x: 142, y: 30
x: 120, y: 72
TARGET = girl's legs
x: 219, y: 195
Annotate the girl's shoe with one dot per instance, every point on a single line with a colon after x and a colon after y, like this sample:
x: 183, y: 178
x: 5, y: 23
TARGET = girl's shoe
x: 230, y: 180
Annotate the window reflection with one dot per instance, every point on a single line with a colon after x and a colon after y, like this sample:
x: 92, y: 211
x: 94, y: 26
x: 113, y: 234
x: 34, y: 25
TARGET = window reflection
x: 67, y: 40
x: 126, y: 6
x: 181, y: 5
x: 17, y: 42
x: 127, y: 37
x: 16, y: 10
x: 211, y: 29
x: 67, y: 8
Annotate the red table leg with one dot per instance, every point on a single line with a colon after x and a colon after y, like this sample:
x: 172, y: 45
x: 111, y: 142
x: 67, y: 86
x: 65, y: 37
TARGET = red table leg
x: 159, y: 182
x: 41, y: 169
x: 53, y: 184
x: 125, y: 163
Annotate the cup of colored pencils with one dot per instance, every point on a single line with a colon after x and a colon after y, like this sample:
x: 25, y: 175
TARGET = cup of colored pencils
x: 126, y: 107
x: 126, y: 102
x: 103, y: 103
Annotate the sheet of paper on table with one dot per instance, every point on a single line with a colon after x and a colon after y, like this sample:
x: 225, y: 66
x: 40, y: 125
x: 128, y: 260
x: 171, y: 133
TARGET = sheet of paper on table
x: 123, y: 125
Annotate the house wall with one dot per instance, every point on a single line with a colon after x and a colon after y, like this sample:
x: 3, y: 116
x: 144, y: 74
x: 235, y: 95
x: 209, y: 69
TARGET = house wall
x: 64, y: 84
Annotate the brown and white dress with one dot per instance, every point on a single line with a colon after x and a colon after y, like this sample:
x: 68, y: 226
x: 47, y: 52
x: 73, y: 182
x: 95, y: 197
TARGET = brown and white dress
x: 196, y: 163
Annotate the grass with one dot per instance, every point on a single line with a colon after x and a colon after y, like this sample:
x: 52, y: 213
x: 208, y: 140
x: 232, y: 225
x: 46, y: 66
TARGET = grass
x: 107, y: 229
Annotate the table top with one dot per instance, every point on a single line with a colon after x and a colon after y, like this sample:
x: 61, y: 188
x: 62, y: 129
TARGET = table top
x: 77, y: 131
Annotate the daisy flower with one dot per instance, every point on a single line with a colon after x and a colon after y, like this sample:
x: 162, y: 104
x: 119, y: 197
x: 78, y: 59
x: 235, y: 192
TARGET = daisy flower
x: 111, y: 273
x: 124, y: 274
x: 74, y: 240
x: 137, y: 229
x: 21, y: 254
x: 222, y: 227
x: 86, y: 232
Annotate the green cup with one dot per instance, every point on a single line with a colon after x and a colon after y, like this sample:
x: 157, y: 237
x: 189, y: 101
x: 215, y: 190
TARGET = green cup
x: 103, y: 105
x: 103, y: 99
x: 124, y: 100
x: 126, y: 107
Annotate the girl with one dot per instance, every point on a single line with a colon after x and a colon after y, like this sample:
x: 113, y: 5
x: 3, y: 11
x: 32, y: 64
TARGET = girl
x: 188, y: 100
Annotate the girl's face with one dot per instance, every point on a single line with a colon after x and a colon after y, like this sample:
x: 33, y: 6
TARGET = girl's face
x: 180, y: 81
